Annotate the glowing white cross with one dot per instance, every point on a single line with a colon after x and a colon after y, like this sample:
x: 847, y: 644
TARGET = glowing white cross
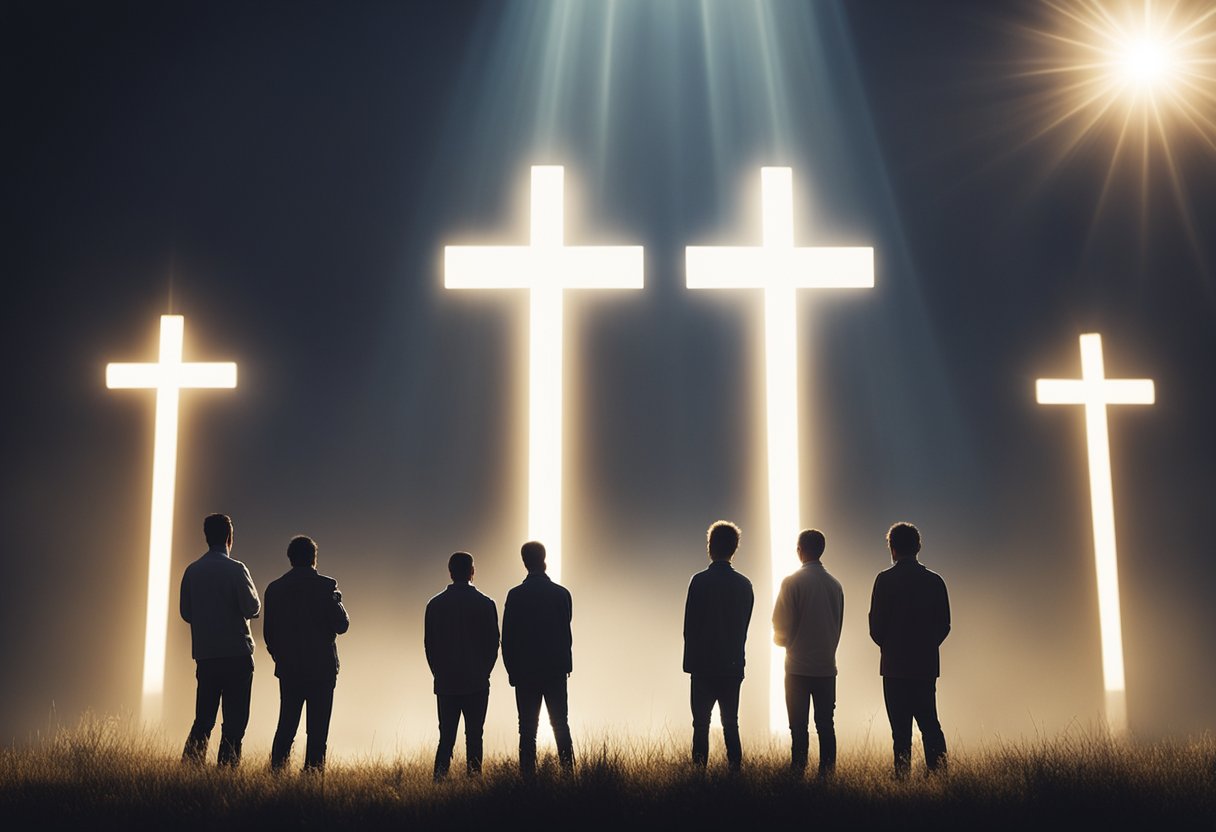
x: 547, y: 267
x: 1095, y: 391
x: 167, y: 377
x: 780, y: 269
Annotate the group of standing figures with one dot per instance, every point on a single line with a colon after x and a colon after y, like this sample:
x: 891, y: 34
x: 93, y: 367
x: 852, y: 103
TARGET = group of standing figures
x: 303, y: 615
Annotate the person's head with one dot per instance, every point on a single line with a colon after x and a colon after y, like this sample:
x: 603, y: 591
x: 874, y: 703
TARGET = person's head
x: 302, y: 551
x: 903, y: 539
x: 533, y: 553
x: 811, y: 544
x: 217, y: 528
x: 722, y: 539
x: 460, y: 567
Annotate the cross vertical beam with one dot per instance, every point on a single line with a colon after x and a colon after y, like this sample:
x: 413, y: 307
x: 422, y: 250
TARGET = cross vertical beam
x: 1095, y: 392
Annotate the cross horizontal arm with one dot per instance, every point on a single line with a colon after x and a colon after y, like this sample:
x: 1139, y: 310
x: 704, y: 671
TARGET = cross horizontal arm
x: 194, y: 375
x: 1107, y: 391
x: 528, y: 267
x: 755, y: 267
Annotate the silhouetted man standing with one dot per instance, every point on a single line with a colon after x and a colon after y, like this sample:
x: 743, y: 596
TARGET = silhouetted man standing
x: 909, y: 619
x: 303, y: 617
x: 461, y: 640
x: 217, y: 600
x: 807, y: 618
x: 716, y: 615
x: 536, y: 651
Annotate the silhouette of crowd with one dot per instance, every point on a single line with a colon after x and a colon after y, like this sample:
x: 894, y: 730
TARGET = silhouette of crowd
x: 304, y: 614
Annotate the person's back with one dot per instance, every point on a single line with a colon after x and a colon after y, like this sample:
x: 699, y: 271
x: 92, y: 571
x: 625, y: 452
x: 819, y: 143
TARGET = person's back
x: 537, y: 641
x: 303, y: 617
x: 217, y: 599
x: 909, y: 619
x: 718, y: 611
x: 461, y: 638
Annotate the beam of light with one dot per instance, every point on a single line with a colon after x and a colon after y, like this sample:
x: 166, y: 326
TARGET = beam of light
x: 167, y: 377
x: 1130, y: 78
x: 779, y: 269
x: 546, y: 268
x: 1095, y: 392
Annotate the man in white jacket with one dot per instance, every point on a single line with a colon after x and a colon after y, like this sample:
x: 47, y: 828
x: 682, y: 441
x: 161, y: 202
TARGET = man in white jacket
x: 806, y: 621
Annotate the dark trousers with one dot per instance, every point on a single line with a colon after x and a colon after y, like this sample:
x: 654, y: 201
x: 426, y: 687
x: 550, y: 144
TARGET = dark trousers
x: 909, y: 699
x: 528, y: 696
x: 293, y: 694
x: 228, y: 680
x: 724, y: 690
x: 800, y: 691
x: 472, y: 706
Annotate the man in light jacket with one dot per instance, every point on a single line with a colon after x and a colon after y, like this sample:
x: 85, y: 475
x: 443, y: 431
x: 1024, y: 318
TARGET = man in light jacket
x: 460, y: 635
x: 217, y: 600
x: 303, y: 617
x: 807, y: 619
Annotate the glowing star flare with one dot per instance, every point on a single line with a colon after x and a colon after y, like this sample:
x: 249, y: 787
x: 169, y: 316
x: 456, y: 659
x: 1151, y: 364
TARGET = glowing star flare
x: 780, y: 269
x: 1095, y: 392
x: 167, y: 377
x: 546, y: 268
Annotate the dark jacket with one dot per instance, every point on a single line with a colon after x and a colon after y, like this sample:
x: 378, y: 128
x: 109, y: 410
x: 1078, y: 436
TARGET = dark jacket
x: 302, y: 618
x: 909, y: 619
x: 461, y: 639
x: 217, y: 600
x: 716, y: 615
x: 536, y: 630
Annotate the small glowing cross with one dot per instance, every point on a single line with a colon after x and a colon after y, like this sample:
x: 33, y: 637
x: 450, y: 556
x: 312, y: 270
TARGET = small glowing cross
x: 168, y: 377
x: 1095, y: 391
x: 780, y: 269
x: 546, y: 267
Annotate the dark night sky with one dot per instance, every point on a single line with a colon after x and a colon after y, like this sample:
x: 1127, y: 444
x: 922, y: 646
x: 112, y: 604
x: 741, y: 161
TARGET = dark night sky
x: 286, y: 176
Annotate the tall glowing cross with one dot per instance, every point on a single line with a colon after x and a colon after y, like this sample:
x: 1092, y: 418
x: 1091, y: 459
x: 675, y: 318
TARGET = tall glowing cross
x: 546, y: 267
x: 1095, y: 391
x: 168, y: 377
x: 779, y: 268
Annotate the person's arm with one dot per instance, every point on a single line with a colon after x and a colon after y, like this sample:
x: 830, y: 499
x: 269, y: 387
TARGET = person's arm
x: 429, y: 636
x: 783, y: 616
x: 491, y: 655
x: 877, y: 623
x: 567, y: 632
x: 270, y: 633
x: 943, y: 613
x: 247, y: 596
x: 338, y: 614
x: 508, y: 636
x: 184, y: 600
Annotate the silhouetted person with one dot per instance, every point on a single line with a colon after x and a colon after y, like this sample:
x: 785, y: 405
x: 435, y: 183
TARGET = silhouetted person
x: 461, y: 640
x: 217, y: 600
x: 807, y: 617
x: 716, y: 615
x: 536, y: 652
x: 303, y: 617
x: 909, y: 619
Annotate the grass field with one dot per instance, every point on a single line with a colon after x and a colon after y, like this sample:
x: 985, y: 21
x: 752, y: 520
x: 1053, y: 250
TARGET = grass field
x: 100, y: 776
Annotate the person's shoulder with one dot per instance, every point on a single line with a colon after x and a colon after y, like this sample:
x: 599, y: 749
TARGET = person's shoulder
x: 439, y: 598
x: 328, y: 582
x: 235, y: 565
x: 739, y: 578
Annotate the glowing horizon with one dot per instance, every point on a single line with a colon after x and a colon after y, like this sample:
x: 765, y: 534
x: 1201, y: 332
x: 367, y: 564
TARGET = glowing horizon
x: 546, y: 267
x: 168, y: 377
x: 1095, y: 392
x: 780, y: 269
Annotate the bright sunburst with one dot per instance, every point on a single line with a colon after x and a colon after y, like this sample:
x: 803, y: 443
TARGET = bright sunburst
x: 1133, y: 79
